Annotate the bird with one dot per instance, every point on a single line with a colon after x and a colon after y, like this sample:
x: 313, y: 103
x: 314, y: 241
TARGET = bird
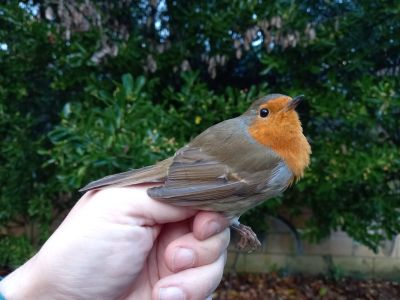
x: 232, y: 166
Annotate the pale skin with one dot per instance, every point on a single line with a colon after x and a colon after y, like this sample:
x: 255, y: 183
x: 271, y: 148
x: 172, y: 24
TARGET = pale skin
x: 118, y: 243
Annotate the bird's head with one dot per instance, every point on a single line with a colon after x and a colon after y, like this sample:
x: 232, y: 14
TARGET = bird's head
x: 275, y: 123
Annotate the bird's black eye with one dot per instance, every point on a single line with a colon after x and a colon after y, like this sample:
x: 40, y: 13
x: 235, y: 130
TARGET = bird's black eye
x: 264, y: 112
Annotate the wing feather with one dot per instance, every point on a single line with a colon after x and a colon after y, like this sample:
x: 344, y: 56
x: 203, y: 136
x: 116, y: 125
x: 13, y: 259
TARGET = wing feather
x: 194, y: 175
x: 199, y: 192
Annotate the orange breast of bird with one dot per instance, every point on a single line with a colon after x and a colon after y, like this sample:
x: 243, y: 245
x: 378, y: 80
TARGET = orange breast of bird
x: 283, y: 134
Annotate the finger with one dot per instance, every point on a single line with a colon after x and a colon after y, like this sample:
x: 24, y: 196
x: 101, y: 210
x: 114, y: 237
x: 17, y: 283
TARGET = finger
x: 188, y: 252
x: 207, y: 223
x: 170, y: 233
x: 191, y: 284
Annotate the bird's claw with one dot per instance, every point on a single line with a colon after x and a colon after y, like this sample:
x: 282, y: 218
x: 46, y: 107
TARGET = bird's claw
x: 248, y: 239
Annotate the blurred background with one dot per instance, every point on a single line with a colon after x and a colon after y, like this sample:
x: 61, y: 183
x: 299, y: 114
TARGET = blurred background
x: 89, y: 88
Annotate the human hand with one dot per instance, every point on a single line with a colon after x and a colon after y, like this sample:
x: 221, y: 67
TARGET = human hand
x: 118, y: 243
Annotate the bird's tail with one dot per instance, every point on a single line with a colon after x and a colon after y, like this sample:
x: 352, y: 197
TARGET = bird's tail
x: 155, y: 173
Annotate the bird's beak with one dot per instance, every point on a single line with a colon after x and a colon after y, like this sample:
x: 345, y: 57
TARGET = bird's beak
x: 294, y: 102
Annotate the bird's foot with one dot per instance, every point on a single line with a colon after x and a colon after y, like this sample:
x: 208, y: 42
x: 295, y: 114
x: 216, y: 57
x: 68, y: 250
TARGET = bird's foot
x: 248, y: 239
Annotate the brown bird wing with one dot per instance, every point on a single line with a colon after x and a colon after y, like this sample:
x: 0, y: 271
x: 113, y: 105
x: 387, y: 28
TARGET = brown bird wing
x: 195, y: 175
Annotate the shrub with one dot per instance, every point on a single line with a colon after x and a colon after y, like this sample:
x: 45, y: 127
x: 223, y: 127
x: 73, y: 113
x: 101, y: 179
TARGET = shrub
x: 82, y: 99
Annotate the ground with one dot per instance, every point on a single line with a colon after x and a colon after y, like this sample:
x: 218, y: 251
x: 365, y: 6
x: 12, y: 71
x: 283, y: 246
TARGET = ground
x: 273, y: 287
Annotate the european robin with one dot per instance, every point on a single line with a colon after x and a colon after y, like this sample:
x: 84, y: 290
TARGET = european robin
x: 232, y: 166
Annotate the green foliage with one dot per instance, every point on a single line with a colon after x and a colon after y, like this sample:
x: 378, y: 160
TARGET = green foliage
x: 107, y: 132
x: 72, y: 109
x: 14, y: 250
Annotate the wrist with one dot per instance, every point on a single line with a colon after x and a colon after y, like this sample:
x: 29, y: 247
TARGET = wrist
x: 21, y: 284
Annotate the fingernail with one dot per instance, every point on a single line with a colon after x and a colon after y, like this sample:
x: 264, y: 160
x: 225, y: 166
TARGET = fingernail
x: 183, y: 258
x: 212, y: 228
x: 171, y: 293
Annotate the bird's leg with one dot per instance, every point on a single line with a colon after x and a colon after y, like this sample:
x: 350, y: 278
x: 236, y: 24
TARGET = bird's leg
x: 248, y: 239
